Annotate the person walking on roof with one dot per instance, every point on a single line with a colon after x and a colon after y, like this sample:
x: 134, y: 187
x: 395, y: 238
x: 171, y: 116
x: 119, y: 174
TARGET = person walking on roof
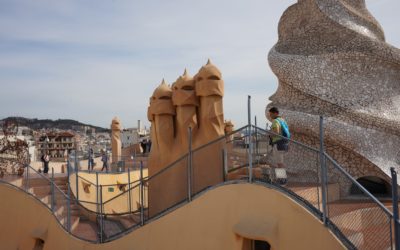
x: 279, y: 141
x: 104, y: 159
x: 45, y: 159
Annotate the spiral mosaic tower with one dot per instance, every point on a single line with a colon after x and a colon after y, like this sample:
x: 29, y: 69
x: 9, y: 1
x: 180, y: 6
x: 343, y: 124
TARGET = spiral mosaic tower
x: 331, y: 59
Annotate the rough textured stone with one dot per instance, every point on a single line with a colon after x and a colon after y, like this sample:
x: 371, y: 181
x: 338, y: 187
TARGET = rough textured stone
x: 116, y: 139
x: 331, y: 59
x: 195, y: 102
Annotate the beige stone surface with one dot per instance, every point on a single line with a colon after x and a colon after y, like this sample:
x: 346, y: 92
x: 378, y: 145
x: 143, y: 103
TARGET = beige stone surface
x: 194, y: 102
x: 116, y: 145
x: 331, y: 59
x: 113, y: 184
x: 255, y: 212
x: 132, y: 150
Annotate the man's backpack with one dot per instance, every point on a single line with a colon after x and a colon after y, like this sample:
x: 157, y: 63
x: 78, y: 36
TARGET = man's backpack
x: 284, y: 127
x: 283, y: 144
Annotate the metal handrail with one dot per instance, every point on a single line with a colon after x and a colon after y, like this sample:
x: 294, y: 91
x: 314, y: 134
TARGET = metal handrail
x: 148, y: 178
x: 205, y: 145
x: 355, y: 182
x: 49, y: 180
x: 194, y: 150
x: 42, y: 175
x: 88, y: 202
x: 126, y: 191
x: 187, y: 154
x: 290, y: 140
x: 83, y: 178
x: 167, y: 167
x: 127, y: 183
x: 108, y: 185
x: 250, y: 134
x: 219, y: 139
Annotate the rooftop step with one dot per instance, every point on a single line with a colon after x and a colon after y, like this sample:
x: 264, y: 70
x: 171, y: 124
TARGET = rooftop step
x: 74, y: 221
x: 361, y: 220
x: 40, y: 190
x: 63, y: 211
x: 129, y: 220
x: 39, y: 180
x: 312, y: 192
x: 112, y: 227
x: 86, y: 230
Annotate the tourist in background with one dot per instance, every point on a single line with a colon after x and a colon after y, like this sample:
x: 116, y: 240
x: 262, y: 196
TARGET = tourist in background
x: 91, y: 160
x: 143, y: 146
x: 45, y: 159
x: 104, y: 159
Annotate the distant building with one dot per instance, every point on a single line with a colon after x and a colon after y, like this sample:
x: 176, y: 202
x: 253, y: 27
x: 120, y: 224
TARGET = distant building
x: 103, y: 141
x: 130, y: 137
x: 81, y: 128
x: 24, y: 131
x: 56, y: 143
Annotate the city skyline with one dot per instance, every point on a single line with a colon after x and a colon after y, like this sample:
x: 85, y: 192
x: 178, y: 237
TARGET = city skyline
x: 75, y: 60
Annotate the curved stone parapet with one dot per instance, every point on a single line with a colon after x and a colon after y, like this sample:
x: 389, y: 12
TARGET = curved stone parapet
x: 331, y: 59
x: 233, y: 212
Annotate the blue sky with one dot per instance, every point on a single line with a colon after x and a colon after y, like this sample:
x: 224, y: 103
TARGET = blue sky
x: 93, y: 60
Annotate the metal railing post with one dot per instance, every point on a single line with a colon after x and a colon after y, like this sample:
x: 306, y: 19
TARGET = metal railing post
x: 395, y: 201
x: 391, y: 232
x: 134, y: 159
x: 141, y: 195
x: 101, y: 214
x: 68, y: 199
x: 68, y: 173
x: 97, y: 192
x: 189, y: 170
x: 224, y: 164
x: 250, y: 139
x: 68, y: 215
x: 27, y: 179
x: 76, y: 177
x: 52, y: 190
x: 323, y: 170
x: 129, y: 190
x: 257, y: 153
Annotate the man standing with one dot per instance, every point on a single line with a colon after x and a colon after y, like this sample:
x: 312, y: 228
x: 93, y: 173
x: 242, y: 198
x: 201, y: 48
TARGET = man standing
x: 90, y: 160
x: 104, y: 159
x: 279, y: 143
x: 45, y: 159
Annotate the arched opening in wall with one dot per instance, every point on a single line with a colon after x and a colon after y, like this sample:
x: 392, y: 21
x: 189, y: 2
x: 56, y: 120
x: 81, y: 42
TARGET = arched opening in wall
x: 261, y: 245
x: 255, y: 245
x: 39, y: 244
x: 374, y: 185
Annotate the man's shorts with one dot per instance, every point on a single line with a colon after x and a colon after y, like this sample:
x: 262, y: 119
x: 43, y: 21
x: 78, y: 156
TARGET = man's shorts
x: 277, y: 156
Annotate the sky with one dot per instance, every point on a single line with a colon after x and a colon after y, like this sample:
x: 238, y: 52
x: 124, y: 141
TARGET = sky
x: 93, y: 60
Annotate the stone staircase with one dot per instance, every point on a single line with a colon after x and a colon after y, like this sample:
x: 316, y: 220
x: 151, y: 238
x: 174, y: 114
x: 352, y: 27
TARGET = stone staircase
x: 84, y: 223
x: 80, y: 223
x: 116, y: 224
x: 358, y: 219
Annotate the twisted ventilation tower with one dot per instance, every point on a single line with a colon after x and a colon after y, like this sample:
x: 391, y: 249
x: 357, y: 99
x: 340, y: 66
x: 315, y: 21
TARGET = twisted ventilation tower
x: 331, y: 59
